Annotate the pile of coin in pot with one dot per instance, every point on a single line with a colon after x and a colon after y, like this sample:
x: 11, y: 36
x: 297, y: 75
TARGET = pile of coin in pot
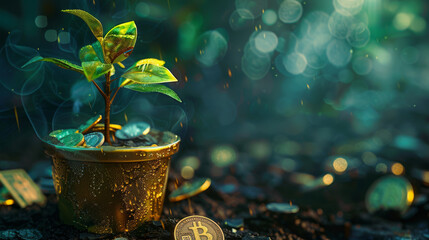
x: 90, y: 134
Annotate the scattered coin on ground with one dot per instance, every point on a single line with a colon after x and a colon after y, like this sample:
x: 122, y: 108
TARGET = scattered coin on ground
x: 190, y: 189
x: 390, y: 193
x: 282, y: 208
x: 197, y: 227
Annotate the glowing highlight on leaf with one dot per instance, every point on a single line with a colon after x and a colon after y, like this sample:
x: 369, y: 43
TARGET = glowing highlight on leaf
x: 154, y: 88
x: 119, y: 41
x: 149, y: 74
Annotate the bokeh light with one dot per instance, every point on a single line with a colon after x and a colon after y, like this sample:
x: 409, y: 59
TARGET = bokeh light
x: 51, y: 35
x: 295, y: 63
x: 41, y: 21
x: 340, y: 165
x: 397, y: 168
x: 328, y: 179
x: 187, y: 172
x: 211, y: 48
x: 290, y: 11
x: 223, y: 155
x: 339, y: 53
x: 269, y: 17
x: 266, y: 41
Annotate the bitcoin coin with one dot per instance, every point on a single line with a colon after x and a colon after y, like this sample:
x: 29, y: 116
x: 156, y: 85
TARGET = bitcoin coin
x: 94, y: 139
x: 197, y: 228
x: 190, y: 189
x: 390, y: 193
x: 84, y: 128
x: 133, y: 130
x: 60, y: 133
x: 282, y: 208
x: 72, y: 140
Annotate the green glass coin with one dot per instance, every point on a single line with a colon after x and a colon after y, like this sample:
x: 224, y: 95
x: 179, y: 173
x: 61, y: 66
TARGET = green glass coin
x: 133, y: 130
x: 75, y: 139
x: 94, y: 139
x: 390, y: 193
x: 190, y: 189
x: 89, y: 124
x: 60, y: 133
x: 282, y: 208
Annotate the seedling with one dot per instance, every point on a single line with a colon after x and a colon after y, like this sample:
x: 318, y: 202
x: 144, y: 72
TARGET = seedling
x: 98, y: 60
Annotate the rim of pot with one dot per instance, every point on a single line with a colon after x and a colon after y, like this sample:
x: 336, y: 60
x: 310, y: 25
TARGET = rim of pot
x: 106, y: 154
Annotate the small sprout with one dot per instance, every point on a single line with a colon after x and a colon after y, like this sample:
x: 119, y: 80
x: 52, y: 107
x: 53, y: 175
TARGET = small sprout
x: 97, y: 60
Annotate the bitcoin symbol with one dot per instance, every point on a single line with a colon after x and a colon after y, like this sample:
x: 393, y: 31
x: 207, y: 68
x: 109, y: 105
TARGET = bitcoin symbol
x: 198, y: 234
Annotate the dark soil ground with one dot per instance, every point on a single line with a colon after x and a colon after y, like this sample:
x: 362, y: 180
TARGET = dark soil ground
x: 246, y: 206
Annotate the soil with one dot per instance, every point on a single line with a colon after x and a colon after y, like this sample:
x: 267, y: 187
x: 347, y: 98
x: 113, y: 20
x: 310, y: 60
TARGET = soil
x: 241, y: 213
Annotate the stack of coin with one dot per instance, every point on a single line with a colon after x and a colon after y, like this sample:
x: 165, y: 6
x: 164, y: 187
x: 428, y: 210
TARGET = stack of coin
x: 112, y: 129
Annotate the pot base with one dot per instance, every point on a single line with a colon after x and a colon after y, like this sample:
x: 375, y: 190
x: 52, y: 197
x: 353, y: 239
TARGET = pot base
x: 106, y: 197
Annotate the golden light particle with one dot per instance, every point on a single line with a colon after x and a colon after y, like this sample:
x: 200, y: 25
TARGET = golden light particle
x: 187, y: 172
x: 340, y: 165
x: 328, y: 179
x: 397, y: 169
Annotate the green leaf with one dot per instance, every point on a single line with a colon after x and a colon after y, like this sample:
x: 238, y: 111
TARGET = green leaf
x: 119, y: 42
x: 59, y: 62
x: 149, y: 74
x: 99, y: 51
x: 152, y: 61
x: 96, y: 69
x: 93, y: 23
x: 88, y: 54
x: 154, y: 88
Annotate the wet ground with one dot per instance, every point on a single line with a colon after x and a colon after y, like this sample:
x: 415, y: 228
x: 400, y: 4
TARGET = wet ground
x: 242, y: 214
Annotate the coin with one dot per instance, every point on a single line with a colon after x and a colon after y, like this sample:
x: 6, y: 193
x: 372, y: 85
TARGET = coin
x: 94, y: 139
x: 234, y: 223
x: 188, y: 190
x: 60, y: 133
x: 84, y: 128
x: 282, y: 208
x: 112, y: 126
x: 390, y: 193
x: 133, y: 130
x: 197, y: 228
x: 72, y: 140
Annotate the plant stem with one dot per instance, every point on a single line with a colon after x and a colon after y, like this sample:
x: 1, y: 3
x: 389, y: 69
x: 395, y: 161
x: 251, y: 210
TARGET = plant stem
x: 99, y: 89
x: 114, y: 95
x: 107, y: 109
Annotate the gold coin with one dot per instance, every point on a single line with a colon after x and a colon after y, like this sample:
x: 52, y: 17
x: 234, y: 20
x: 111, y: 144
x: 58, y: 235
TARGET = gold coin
x: 197, y: 228
x: 112, y: 126
x: 190, y: 189
x: 84, y: 128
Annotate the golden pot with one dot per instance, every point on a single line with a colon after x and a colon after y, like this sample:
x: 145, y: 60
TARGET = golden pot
x: 112, y: 189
